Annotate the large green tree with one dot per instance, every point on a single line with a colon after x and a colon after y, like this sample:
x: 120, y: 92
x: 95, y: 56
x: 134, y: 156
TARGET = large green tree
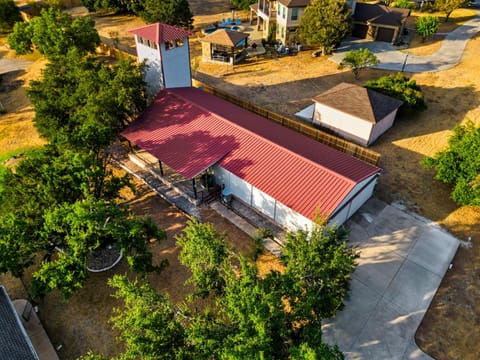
x: 9, y: 15
x: 400, y: 87
x: 172, y: 12
x: 53, y: 33
x: 271, y: 316
x: 459, y: 164
x: 118, y: 6
x: 358, y: 60
x: 325, y: 23
x: 448, y: 6
x: 203, y: 251
x: 82, y: 104
x: 48, y: 205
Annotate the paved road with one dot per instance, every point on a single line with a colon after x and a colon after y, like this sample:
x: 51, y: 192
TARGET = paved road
x: 390, y: 58
x: 403, y: 259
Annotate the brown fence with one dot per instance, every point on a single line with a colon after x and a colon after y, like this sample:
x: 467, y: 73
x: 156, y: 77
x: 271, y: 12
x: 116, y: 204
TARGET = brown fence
x: 343, y: 145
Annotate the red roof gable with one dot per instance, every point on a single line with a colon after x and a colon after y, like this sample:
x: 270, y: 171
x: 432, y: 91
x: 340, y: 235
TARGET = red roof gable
x: 303, y: 174
x: 159, y: 33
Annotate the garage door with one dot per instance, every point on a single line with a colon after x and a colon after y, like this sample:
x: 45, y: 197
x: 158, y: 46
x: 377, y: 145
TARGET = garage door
x: 385, y: 34
x: 360, y: 31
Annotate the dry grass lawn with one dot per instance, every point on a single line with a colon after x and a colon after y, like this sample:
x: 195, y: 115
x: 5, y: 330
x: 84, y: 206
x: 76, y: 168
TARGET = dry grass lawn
x: 432, y: 43
x: 286, y: 85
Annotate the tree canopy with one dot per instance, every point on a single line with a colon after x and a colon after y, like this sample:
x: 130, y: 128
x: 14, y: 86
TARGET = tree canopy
x: 427, y: 25
x: 459, y: 164
x: 9, y: 15
x: 203, y: 251
x: 53, y: 33
x: 358, y: 60
x: 272, y: 316
x: 448, y: 6
x: 48, y: 204
x: 400, y: 87
x: 172, y: 12
x: 61, y: 202
x: 82, y: 104
x: 325, y: 23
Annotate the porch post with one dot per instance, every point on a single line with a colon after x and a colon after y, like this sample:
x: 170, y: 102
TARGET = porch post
x: 194, y: 186
x: 161, y: 167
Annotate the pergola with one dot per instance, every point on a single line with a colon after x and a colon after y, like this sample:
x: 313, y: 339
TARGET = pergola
x: 226, y: 46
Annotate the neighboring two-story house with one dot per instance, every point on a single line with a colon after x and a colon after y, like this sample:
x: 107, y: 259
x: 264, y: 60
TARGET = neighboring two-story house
x: 279, y: 20
x: 289, y: 13
x: 284, y: 15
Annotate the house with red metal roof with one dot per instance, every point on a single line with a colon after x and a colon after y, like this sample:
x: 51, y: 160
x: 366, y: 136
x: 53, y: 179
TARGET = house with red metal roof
x: 280, y: 173
x: 165, y: 51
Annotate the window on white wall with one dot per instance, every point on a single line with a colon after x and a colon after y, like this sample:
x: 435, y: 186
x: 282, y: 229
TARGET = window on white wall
x: 279, y: 9
x: 284, y: 12
x: 178, y: 42
x: 169, y: 45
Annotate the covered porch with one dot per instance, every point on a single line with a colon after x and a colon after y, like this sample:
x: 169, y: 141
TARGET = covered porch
x: 197, y: 190
x: 225, y: 46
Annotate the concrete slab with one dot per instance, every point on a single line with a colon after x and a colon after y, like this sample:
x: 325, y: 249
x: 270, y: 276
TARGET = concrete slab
x: 430, y: 251
x: 386, y: 335
x: 413, y: 287
x: 403, y: 258
x: 376, y: 269
x: 355, y: 313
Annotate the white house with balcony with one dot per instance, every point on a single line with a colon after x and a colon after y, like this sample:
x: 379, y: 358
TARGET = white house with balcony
x: 289, y: 13
x: 284, y: 14
x: 165, y: 51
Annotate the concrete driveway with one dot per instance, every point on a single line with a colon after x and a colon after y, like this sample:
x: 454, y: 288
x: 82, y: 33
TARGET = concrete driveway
x: 403, y: 260
x: 391, y: 58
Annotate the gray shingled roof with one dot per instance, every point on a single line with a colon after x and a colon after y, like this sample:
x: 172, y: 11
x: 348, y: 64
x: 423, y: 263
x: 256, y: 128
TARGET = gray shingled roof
x: 380, y: 14
x: 225, y: 37
x: 14, y: 341
x: 358, y: 101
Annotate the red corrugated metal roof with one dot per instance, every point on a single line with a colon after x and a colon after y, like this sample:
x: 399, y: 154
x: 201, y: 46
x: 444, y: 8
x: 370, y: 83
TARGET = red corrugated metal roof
x: 297, y: 171
x: 159, y: 33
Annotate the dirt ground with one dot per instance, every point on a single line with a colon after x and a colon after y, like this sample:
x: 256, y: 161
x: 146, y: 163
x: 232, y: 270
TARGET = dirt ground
x: 286, y: 85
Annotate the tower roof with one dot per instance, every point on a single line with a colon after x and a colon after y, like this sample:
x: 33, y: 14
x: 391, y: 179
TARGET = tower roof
x: 159, y: 33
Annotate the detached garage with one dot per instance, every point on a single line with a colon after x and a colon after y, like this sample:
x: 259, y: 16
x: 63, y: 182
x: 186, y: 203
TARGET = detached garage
x: 378, y: 22
x: 284, y: 175
x: 355, y: 113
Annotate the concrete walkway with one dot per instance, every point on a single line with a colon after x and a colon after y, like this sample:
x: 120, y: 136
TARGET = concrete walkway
x: 8, y: 65
x: 403, y: 259
x: 390, y: 58
x: 35, y: 330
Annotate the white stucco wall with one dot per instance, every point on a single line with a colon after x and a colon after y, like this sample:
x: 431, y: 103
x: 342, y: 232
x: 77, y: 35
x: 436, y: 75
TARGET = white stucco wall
x: 153, y: 73
x: 260, y: 201
x: 350, y: 127
x: 176, y: 65
x: 382, y: 126
x: 281, y: 213
x: 356, y: 198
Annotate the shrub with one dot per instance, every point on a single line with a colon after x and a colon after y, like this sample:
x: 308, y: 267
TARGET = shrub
x: 400, y: 87
x: 9, y: 14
